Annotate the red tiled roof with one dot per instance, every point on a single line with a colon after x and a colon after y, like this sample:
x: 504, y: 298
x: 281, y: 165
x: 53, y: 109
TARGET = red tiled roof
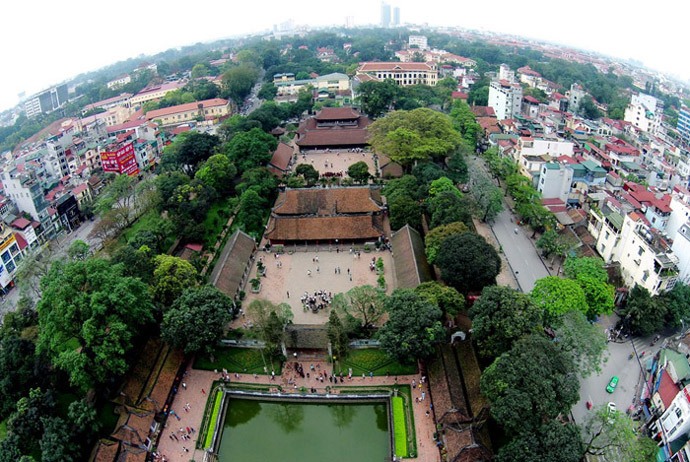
x: 483, y: 111
x: 21, y: 241
x: 281, y: 158
x: 194, y: 247
x: 158, y: 113
x: 667, y: 389
x: 79, y: 189
x: 386, y: 66
x: 459, y: 95
x: 21, y: 223
x: 530, y: 99
x: 324, y: 228
x: 337, y: 113
x: 328, y: 201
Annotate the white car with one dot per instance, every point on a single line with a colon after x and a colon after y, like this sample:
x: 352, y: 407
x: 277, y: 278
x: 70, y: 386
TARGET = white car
x: 611, y: 411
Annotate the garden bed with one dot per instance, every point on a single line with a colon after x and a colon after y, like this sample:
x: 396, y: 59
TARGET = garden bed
x: 366, y: 360
x: 240, y: 360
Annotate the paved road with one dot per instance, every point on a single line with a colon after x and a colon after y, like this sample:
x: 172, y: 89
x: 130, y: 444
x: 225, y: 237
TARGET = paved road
x: 519, y: 251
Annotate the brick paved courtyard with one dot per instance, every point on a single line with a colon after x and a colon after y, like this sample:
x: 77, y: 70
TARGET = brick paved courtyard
x: 299, y: 272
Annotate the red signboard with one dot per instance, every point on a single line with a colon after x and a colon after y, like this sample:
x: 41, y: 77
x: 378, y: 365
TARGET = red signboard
x: 121, y: 161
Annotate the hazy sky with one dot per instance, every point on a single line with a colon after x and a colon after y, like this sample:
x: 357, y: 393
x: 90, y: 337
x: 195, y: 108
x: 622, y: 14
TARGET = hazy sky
x: 45, y: 42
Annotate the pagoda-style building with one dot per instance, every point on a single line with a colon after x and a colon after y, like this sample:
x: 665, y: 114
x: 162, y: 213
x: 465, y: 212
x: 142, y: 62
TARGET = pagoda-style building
x: 335, y: 128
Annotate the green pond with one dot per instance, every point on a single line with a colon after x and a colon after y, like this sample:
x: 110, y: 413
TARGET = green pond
x: 264, y: 431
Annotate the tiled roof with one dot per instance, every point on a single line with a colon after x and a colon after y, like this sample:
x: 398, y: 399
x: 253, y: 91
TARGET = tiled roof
x: 410, y: 263
x: 228, y: 274
x: 325, y: 228
x: 21, y: 241
x: 483, y: 111
x: 667, y: 389
x: 158, y: 113
x: 281, y: 159
x: 385, y: 66
x: 330, y: 202
x: 334, y: 137
x: 337, y: 113
x: 21, y: 223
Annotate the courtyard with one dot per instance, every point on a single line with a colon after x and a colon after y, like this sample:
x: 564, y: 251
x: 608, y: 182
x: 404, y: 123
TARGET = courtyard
x: 332, y: 269
x: 335, y: 161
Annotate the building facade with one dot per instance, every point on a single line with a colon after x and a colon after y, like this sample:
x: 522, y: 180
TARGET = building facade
x: 505, y: 98
x: 120, y: 160
x: 645, y: 112
x: 404, y: 74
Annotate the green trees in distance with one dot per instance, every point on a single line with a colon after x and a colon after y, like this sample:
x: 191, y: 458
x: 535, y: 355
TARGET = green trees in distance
x: 447, y: 298
x: 376, y: 98
x: 88, y: 316
x: 250, y: 149
x: 197, y: 319
x: 238, y: 82
x: 413, y: 136
x: 468, y: 262
x: 530, y: 384
x: 501, y: 317
x: 188, y: 151
x: 413, y: 327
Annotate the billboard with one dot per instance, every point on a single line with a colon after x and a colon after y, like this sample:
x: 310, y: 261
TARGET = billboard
x: 120, y: 161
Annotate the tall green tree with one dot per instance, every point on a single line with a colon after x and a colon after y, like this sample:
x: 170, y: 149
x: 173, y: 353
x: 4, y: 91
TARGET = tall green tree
x: 487, y: 197
x: 250, y: 149
x: 447, y: 298
x: 582, y: 340
x: 413, y: 327
x: 359, y: 171
x: 468, y: 262
x: 501, y: 317
x: 557, y: 296
x: 197, y: 319
x: 337, y: 335
x: 88, y: 317
x: 250, y: 213
x: 171, y: 276
x: 606, y: 433
x: 238, y: 82
x: 270, y: 321
x: 643, y: 313
x: 552, y: 441
x: 361, y: 305
x: 408, y: 137
x: 532, y: 383
x: 377, y: 97
x: 435, y: 237
x: 217, y: 172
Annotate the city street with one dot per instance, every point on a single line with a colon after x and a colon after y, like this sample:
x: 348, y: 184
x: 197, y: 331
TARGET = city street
x: 519, y: 250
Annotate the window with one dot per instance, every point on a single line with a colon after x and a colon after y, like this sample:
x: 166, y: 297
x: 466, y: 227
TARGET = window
x: 640, y: 251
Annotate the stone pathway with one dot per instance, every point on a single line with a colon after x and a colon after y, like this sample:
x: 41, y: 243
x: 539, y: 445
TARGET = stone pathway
x: 198, y: 384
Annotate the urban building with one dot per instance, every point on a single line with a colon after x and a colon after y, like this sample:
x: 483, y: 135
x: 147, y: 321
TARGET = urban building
x: 645, y: 112
x: 684, y: 124
x: 120, y: 159
x: 555, y: 180
x: 575, y: 96
x: 46, y: 101
x: 154, y: 93
x: 385, y: 14
x: 505, y: 98
x: 404, y: 74
x: 119, y: 82
x: 10, y: 255
x: 199, y: 111
x: 418, y: 41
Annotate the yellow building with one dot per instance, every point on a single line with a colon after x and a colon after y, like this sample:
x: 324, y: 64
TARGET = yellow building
x: 154, y: 93
x: 210, y: 109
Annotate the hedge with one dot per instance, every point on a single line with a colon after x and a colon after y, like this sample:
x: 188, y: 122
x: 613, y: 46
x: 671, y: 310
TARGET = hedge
x: 214, y: 418
x: 399, y: 427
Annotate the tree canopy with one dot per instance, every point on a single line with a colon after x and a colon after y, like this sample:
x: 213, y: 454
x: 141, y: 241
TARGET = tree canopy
x: 436, y: 236
x: 531, y: 383
x: 413, y: 327
x: 171, y: 276
x: 361, y: 305
x: 468, y: 262
x: 411, y: 136
x: 501, y: 317
x: 88, y: 316
x: 197, y: 319
x: 557, y: 296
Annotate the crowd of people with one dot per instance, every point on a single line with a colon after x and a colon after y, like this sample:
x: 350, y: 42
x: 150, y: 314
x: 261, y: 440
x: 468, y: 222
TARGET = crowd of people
x: 318, y: 301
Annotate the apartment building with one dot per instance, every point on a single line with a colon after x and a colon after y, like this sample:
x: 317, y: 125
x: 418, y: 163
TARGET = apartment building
x: 154, y: 93
x: 645, y: 112
x: 505, y: 98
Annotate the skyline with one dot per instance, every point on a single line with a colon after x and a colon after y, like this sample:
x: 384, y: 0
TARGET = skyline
x: 66, y: 39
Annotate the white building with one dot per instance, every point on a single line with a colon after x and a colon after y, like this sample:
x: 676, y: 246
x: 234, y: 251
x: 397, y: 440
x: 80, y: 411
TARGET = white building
x: 418, y: 41
x: 676, y: 419
x: 119, y: 82
x: 505, y: 98
x: 680, y: 214
x: 681, y: 249
x: 575, y: 97
x: 645, y: 112
x: 505, y: 73
x: 555, y: 181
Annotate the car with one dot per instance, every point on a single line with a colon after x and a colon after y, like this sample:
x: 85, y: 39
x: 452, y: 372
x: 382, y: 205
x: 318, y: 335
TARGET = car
x: 610, y: 412
x: 613, y: 383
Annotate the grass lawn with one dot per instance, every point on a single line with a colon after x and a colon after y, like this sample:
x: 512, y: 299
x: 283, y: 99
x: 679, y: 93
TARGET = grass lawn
x: 3, y: 429
x: 216, y: 218
x: 214, y: 418
x: 144, y: 222
x: 365, y: 360
x: 240, y: 360
x: 399, y: 427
